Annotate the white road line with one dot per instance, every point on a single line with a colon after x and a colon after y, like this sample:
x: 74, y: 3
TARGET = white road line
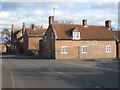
x: 88, y: 83
x: 12, y: 77
x: 64, y: 74
x: 97, y: 87
x: 103, y: 68
x: 69, y: 63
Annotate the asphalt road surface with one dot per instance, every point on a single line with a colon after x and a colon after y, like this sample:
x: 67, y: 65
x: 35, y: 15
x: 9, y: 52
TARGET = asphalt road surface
x: 20, y: 72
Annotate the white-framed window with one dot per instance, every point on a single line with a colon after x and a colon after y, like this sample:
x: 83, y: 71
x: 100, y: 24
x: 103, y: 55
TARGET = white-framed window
x: 108, y: 49
x: 64, y: 49
x: 21, y: 34
x: 84, y: 49
x: 94, y: 42
x: 76, y: 35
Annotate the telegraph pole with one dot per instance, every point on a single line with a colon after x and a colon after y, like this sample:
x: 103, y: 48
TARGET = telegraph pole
x: 0, y: 5
x: 54, y: 12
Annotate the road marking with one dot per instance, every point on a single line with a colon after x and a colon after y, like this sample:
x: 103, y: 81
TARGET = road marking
x: 88, y: 83
x: 12, y: 77
x: 97, y: 87
x: 103, y: 68
x: 64, y: 74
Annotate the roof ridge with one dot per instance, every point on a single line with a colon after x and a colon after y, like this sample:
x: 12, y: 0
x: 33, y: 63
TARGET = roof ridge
x: 76, y: 24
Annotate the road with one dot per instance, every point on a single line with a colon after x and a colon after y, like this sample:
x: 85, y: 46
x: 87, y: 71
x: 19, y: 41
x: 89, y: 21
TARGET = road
x: 18, y: 72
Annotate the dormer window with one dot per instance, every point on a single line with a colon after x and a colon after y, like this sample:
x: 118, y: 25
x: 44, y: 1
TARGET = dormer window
x: 76, y: 35
x: 21, y: 34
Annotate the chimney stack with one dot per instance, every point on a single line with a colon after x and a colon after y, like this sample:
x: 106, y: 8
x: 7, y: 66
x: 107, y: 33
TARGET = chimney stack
x: 108, y: 24
x: 85, y: 22
x: 33, y: 26
x: 51, y: 20
x: 41, y: 26
x: 12, y: 27
x: 23, y: 28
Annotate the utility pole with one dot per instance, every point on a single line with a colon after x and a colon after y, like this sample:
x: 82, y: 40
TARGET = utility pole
x: 78, y: 52
x: 0, y: 5
x: 54, y: 12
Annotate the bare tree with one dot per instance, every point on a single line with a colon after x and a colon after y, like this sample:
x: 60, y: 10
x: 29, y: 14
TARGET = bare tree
x: 5, y: 35
x: 66, y: 21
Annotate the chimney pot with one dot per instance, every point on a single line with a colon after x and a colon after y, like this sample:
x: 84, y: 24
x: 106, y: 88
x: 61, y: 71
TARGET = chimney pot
x: 51, y: 20
x: 41, y: 26
x: 12, y: 27
x: 23, y: 28
x: 33, y: 26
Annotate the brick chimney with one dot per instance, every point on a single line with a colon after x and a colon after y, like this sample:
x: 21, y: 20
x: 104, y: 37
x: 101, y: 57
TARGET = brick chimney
x: 33, y: 26
x: 51, y: 20
x: 85, y: 22
x: 41, y: 26
x: 108, y: 24
x: 12, y: 28
x: 23, y: 28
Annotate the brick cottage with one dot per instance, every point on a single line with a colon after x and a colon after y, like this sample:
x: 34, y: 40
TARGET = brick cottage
x: 31, y: 38
x: 26, y: 39
x: 74, y: 41
x: 16, y: 41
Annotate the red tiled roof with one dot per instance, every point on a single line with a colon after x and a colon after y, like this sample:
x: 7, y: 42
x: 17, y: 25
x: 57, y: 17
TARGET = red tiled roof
x: 92, y: 32
x: 37, y: 32
x: 16, y: 30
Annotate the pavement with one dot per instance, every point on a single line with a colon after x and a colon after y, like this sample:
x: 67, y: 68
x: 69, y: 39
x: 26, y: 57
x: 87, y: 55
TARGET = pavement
x: 32, y: 72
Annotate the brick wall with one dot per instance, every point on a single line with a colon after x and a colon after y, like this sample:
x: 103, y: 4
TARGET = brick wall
x: 33, y: 43
x: 3, y: 47
x: 119, y: 50
x: 47, y: 45
x: 75, y: 49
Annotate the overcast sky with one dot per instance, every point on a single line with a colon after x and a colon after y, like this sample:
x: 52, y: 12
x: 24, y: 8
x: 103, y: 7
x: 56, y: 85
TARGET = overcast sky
x: 38, y: 12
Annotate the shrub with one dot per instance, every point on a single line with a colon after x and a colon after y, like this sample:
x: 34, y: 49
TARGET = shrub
x: 33, y: 52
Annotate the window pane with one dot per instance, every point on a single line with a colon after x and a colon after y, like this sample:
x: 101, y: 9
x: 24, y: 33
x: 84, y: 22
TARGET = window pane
x: 84, y: 49
x: 64, y: 50
x: 76, y: 35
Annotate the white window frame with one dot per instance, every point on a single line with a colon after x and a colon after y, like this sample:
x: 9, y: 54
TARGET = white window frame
x: 108, y: 49
x: 21, y: 34
x: 94, y: 42
x: 76, y: 35
x: 64, y: 49
x: 83, y: 49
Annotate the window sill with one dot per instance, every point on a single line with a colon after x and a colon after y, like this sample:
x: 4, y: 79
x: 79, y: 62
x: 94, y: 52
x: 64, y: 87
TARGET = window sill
x: 64, y: 53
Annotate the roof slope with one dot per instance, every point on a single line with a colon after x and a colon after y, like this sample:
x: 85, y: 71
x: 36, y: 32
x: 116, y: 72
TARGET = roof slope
x: 92, y: 32
x: 37, y: 32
